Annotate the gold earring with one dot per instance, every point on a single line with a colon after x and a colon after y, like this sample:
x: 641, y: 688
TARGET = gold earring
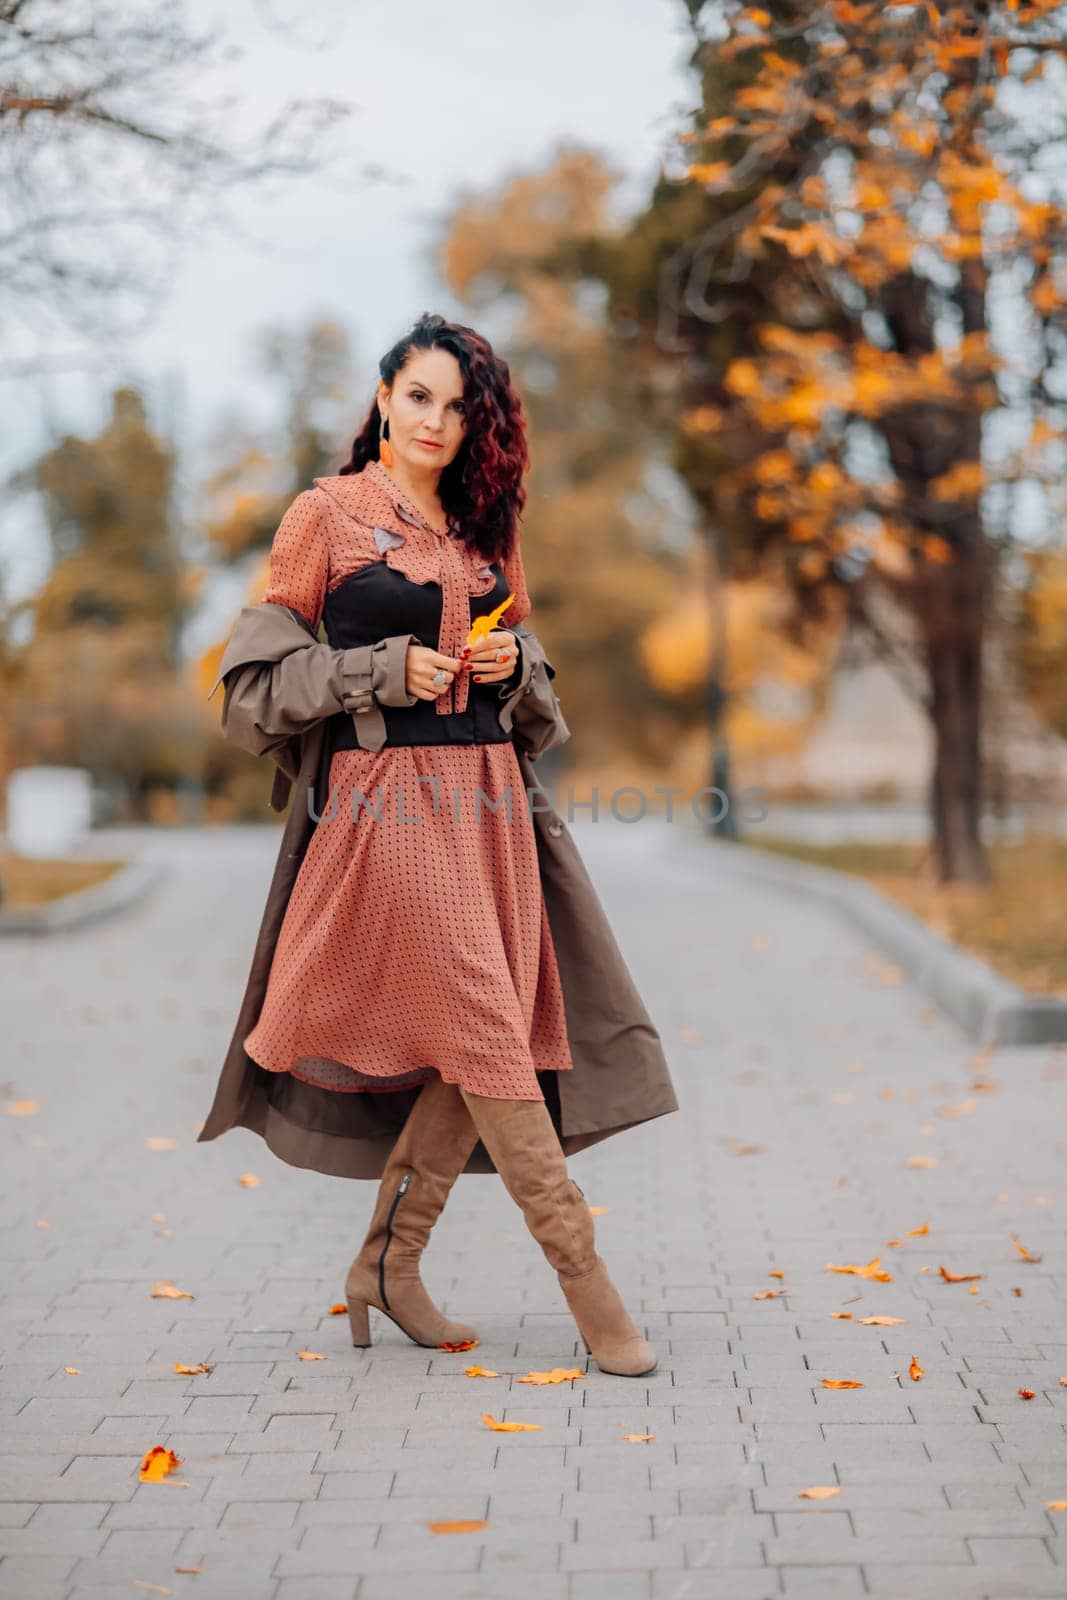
x: 385, y: 449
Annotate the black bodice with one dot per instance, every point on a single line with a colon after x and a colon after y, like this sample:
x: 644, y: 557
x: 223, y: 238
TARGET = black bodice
x: 376, y: 602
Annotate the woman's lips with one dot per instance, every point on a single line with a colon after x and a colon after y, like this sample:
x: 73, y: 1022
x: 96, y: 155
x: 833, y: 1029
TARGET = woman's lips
x: 428, y: 444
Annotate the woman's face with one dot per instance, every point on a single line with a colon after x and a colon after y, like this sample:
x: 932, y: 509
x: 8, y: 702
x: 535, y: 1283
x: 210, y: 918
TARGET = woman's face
x: 425, y: 410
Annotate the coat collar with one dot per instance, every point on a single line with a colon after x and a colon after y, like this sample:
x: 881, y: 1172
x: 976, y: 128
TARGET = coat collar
x: 372, y: 494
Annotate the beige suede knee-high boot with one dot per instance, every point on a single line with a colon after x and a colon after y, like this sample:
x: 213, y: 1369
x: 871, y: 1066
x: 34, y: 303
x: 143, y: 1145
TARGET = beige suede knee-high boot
x: 430, y: 1152
x: 522, y: 1141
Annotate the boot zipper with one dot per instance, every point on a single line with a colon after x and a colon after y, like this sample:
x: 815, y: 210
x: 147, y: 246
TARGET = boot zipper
x: 401, y: 1191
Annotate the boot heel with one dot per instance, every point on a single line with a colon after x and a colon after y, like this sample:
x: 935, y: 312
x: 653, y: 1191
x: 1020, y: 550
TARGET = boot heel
x: 359, y: 1321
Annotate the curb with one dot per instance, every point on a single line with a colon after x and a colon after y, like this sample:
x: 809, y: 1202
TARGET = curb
x: 987, y: 1006
x: 122, y: 889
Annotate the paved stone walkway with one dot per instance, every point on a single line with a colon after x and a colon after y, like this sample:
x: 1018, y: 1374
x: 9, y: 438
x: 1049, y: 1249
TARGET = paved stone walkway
x: 808, y: 1078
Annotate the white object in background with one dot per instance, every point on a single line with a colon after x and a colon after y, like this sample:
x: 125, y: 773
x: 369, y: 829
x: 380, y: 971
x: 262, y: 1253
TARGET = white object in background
x: 49, y: 809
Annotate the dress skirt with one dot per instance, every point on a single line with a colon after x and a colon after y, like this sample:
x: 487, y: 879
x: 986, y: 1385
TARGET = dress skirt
x: 416, y: 938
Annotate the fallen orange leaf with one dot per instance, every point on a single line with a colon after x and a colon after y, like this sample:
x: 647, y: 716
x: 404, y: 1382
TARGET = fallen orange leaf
x: 159, y: 1216
x: 846, y: 1316
x: 309, y: 1355
x: 188, y: 1569
x: 959, y: 1277
x: 882, y: 1322
x: 841, y: 1383
x: 161, y: 1144
x: 745, y: 1149
x: 819, y: 1491
x: 1056, y: 1505
x: 556, y: 1375
x: 165, y: 1290
x: 964, y: 1109
x: 248, y: 1180
x: 338, y: 1310
x: 201, y: 1366
x: 1023, y: 1251
x: 159, y: 1463
x: 773, y: 1272
x: 151, y: 1588
x: 457, y: 1527
x: 599, y: 1211
x: 459, y: 1344
x: 637, y: 1438
x: 21, y: 1108
x: 921, y: 1161
x: 480, y: 1372
x: 75, y: 1370
x: 915, y: 1372
x: 913, y: 1233
x: 768, y: 1294
x: 869, y: 1271
x: 1025, y: 1394
x: 510, y: 1427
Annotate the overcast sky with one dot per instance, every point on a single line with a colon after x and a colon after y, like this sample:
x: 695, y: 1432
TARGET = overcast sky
x: 448, y: 99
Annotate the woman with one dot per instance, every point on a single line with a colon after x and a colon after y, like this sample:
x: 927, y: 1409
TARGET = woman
x: 411, y: 958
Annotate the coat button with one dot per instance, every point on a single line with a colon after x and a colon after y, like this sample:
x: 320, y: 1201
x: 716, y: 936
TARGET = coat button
x: 555, y: 827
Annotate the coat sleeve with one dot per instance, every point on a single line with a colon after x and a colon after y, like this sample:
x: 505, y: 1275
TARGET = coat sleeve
x: 280, y: 679
x: 529, y: 704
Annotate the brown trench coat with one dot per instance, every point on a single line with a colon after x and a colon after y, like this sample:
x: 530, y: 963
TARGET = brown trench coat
x: 281, y: 686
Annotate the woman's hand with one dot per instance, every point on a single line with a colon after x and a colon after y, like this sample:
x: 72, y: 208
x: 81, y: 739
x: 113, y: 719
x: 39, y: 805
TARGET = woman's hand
x: 421, y: 664
x: 482, y: 657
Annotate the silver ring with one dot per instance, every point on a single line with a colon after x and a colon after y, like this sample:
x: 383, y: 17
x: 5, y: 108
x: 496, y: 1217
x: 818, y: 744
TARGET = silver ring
x: 439, y: 676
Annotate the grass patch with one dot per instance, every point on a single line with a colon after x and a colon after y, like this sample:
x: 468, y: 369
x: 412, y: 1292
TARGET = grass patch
x: 27, y: 881
x: 1016, y: 922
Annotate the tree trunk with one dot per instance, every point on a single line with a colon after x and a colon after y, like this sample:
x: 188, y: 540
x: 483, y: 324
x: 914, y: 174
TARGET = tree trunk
x: 952, y: 619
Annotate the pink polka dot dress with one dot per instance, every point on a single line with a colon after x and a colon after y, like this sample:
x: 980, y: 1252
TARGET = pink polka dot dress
x: 415, y: 939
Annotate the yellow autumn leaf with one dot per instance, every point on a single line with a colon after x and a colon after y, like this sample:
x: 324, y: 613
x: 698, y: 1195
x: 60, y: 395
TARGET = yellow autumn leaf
x: 768, y: 1294
x: 556, y: 1375
x: 248, y: 1180
x: 21, y: 1108
x: 510, y: 1427
x: 1056, y: 1505
x: 483, y: 626
x: 458, y: 1527
x: 158, y: 1463
x: 480, y: 1372
x: 841, y: 1383
x: 819, y: 1491
x: 74, y: 1371
x: 959, y: 1277
x: 309, y: 1355
x: 599, y: 1211
x: 915, y: 1372
x: 165, y: 1290
x: 871, y: 1270
x: 201, y: 1366
x: 637, y: 1438
x: 1023, y: 1251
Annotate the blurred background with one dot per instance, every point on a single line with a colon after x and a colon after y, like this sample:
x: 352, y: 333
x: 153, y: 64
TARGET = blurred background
x: 785, y: 294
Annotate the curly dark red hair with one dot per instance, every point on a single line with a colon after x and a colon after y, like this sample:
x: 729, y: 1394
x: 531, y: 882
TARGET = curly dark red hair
x: 482, y: 486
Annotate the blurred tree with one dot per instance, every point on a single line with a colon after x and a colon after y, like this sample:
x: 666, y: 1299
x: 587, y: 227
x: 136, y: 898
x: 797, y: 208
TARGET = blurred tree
x: 95, y: 684
x: 813, y: 289
x: 114, y: 156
